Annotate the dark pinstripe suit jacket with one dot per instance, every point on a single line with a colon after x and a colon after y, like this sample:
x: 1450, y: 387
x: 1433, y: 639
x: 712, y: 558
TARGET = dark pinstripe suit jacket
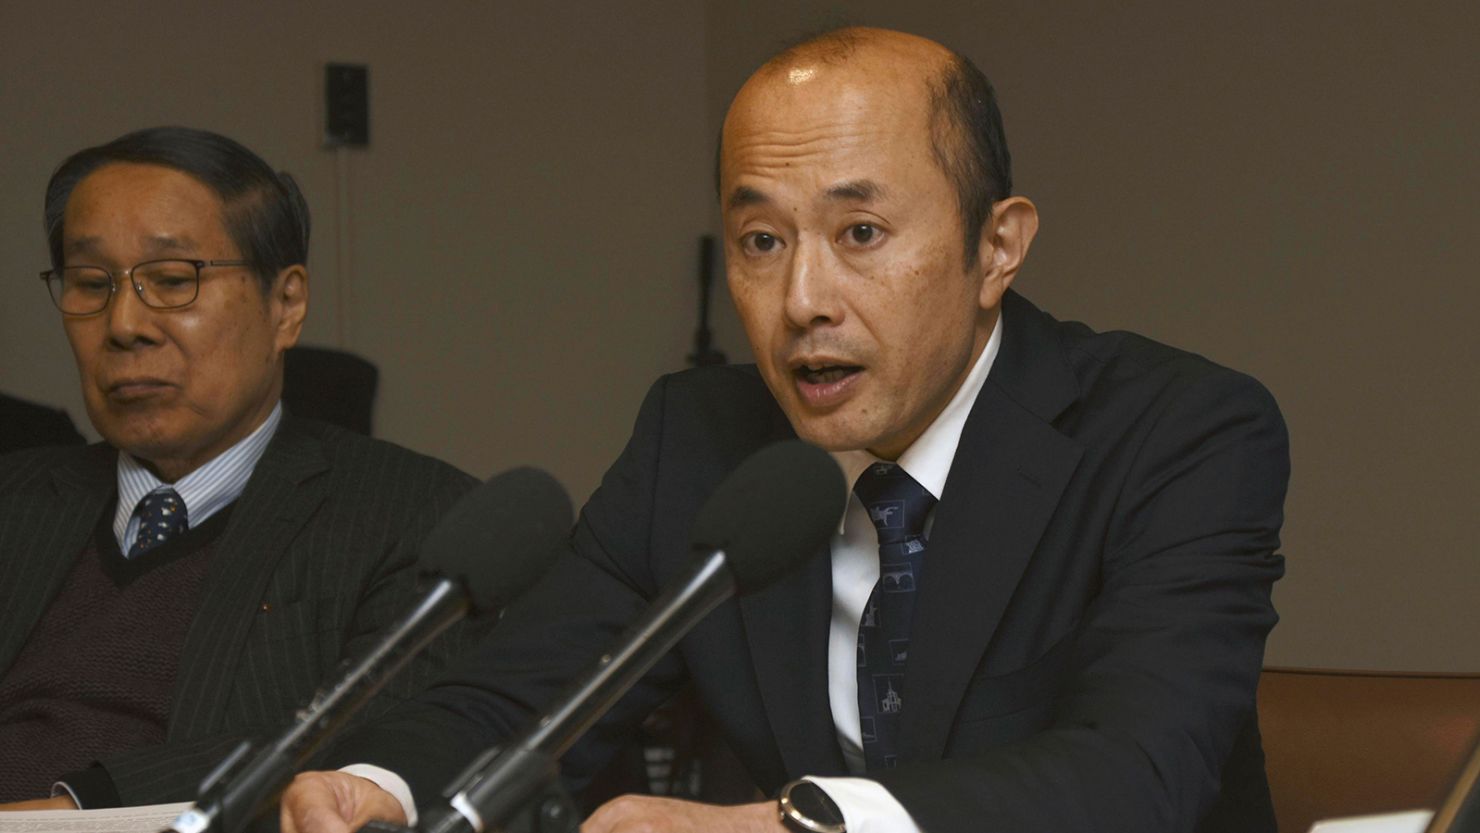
x: 317, y: 557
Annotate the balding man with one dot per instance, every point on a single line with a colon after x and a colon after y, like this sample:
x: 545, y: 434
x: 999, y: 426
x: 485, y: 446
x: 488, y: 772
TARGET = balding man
x: 1046, y: 606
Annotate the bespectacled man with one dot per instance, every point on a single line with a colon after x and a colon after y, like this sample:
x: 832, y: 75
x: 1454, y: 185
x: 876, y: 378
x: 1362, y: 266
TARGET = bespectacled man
x: 189, y: 581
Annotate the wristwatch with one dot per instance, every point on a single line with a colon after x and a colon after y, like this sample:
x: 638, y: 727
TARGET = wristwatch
x: 806, y: 808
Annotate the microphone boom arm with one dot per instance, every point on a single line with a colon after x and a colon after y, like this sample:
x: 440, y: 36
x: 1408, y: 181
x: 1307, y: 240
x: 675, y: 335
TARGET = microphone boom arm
x: 490, y: 797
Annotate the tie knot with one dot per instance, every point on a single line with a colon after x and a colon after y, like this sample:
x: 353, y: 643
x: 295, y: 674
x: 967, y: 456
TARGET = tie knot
x: 161, y: 517
x: 896, y: 504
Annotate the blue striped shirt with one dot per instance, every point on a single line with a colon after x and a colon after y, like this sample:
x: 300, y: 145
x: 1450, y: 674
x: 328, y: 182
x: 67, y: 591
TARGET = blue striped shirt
x: 206, y: 491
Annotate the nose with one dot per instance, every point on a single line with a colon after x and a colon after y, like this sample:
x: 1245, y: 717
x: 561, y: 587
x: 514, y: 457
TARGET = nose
x: 130, y: 321
x: 812, y: 298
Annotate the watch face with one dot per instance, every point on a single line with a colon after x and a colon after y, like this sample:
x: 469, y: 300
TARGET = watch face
x: 811, y: 801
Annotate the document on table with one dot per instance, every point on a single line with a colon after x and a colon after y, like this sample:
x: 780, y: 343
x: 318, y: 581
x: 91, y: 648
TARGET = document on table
x: 1413, y: 821
x: 150, y: 818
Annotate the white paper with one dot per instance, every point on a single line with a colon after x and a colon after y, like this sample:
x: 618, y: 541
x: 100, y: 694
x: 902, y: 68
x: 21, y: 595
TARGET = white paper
x: 149, y: 818
x: 1413, y: 821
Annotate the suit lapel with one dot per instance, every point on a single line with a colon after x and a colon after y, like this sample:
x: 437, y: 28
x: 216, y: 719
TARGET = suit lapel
x: 51, y: 530
x: 284, y: 491
x: 786, y: 626
x: 1009, y: 471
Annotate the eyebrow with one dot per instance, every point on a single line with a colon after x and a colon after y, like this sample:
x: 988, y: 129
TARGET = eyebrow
x: 858, y: 190
x: 80, y: 246
x: 158, y: 243
x: 745, y: 195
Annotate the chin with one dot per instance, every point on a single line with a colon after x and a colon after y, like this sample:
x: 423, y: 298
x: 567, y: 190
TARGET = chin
x: 830, y: 434
x: 142, y: 442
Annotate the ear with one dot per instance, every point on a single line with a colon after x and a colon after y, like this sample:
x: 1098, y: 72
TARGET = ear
x: 289, y: 304
x: 1006, y: 236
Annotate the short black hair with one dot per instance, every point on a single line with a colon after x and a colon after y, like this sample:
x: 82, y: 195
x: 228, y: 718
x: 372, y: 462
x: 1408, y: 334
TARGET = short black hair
x: 970, y: 144
x: 263, y: 210
x: 966, y: 133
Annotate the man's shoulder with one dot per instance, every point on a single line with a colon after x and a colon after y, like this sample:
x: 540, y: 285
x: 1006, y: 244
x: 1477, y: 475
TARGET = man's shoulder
x: 693, y: 428
x: 369, y: 464
x: 1121, y: 356
x: 727, y: 383
x: 724, y: 404
x: 1116, y: 367
x: 30, y: 469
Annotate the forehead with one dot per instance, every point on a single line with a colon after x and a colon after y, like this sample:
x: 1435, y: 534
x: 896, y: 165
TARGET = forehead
x: 138, y: 205
x: 811, y: 125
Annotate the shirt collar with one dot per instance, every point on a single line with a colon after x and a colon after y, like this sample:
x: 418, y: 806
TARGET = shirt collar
x: 206, y: 490
x: 928, y: 459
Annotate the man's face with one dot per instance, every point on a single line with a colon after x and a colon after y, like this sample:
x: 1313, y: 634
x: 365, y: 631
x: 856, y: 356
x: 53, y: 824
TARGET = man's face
x: 174, y: 387
x: 844, y: 251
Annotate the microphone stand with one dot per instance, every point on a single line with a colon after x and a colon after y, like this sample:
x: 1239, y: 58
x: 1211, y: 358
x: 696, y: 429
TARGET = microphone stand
x: 517, y: 788
x: 531, y: 798
x: 239, y: 788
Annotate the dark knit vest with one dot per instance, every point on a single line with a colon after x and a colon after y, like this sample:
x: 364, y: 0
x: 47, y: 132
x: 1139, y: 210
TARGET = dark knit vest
x: 97, y: 674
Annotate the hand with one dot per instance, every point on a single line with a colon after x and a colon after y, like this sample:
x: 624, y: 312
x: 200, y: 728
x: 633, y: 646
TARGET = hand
x: 648, y: 814
x: 60, y: 802
x: 335, y: 802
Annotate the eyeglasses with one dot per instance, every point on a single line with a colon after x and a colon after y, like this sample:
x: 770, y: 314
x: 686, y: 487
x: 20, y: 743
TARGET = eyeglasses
x: 160, y: 284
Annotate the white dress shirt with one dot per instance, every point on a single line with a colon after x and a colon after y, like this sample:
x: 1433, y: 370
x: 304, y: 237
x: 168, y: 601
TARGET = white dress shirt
x: 205, y: 491
x: 867, y: 806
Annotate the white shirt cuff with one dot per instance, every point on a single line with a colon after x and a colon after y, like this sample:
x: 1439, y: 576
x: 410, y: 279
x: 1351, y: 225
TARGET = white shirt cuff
x: 391, y: 783
x: 867, y: 807
x: 63, y: 787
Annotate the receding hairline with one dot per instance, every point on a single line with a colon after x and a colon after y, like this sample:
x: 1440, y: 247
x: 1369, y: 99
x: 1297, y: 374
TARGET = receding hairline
x: 962, y: 120
x: 933, y: 65
x: 922, y: 62
x: 839, y: 46
x: 222, y: 205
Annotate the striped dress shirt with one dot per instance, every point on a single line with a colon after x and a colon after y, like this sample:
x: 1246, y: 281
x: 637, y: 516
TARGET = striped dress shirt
x: 205, y: 491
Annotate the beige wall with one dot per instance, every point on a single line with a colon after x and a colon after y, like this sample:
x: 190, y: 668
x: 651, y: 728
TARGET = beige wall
x: 1290, y: 189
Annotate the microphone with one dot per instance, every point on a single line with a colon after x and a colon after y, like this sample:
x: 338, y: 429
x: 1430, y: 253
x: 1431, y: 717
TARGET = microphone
x: 780, y: 506
x: 483, y: 553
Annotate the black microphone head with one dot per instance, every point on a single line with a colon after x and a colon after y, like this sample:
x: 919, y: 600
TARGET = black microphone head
x: 499, y: 538
x: 780, y: 506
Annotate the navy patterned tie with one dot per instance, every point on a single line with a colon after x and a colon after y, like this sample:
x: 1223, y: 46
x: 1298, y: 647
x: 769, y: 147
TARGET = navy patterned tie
x: 898, y: 506
x: 161, y: 517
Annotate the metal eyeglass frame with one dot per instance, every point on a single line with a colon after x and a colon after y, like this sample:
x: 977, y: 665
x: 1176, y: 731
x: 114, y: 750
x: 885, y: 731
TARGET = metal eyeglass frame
x: 128, y: 273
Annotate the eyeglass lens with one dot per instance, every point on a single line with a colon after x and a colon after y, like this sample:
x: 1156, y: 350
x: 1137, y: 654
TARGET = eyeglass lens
x: 80, y: 290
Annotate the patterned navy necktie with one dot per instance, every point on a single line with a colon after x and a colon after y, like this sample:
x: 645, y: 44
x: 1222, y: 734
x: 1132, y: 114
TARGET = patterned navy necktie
x: 161, y: 517
x: 898, y: 507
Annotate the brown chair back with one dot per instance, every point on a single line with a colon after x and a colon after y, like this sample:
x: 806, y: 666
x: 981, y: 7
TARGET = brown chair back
x: 1349, y: 743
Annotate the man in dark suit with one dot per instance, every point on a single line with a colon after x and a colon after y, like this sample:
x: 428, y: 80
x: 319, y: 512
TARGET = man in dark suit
x: 1046, y: 606
x: 191, y: 580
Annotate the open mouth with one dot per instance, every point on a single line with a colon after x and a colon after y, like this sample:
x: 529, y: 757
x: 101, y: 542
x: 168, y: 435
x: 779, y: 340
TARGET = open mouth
x: 826, y: 385
x: 825, y: 374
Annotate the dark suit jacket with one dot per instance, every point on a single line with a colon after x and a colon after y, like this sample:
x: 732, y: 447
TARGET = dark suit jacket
x: 317, y: 556
x: 1090, y: 624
